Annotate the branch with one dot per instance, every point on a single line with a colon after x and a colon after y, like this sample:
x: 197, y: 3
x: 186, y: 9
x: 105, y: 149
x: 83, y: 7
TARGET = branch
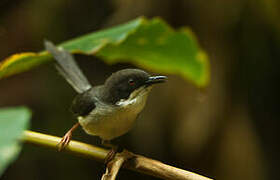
x: 115, y: 164
x: 137, y: 163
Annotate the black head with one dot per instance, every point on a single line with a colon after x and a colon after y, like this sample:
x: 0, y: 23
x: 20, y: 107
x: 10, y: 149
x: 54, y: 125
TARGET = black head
x: 122, y: 83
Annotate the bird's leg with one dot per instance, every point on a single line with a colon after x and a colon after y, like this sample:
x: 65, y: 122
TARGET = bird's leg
x: 111, y: 154
x: 67, y: 137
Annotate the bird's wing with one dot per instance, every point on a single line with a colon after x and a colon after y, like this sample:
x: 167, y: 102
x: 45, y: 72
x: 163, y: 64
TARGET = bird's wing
x: 68, y: 68
x: 84, y: 103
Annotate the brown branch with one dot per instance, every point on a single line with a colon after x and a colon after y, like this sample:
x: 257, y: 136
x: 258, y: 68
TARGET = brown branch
x: 113, y: 168
x: 137, y: 163
x: 115, y: 164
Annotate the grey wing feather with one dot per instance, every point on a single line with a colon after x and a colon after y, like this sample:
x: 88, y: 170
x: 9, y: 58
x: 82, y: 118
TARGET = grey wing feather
x: 84, y: 103
x: 68, y: 68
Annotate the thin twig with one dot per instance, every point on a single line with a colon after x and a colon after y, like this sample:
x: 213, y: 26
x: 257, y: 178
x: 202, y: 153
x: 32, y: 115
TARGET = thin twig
x: 137, y: 163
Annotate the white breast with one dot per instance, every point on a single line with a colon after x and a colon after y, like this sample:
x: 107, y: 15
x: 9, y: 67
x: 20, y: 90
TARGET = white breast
x: 109, y: 122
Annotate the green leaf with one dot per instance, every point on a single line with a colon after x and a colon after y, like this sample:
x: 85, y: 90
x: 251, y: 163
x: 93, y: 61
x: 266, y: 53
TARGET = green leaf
x: 13, y: 121
x: 149, y: 44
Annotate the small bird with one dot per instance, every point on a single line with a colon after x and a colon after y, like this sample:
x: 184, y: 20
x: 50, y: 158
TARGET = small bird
x: 107, y: 110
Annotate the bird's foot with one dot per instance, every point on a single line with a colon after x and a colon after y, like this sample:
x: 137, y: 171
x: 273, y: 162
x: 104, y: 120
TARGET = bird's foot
x: 112, y: 153
x: 64, y: 141
x: 113, y: 166
x: 110, y: 156
x: 67, y: 138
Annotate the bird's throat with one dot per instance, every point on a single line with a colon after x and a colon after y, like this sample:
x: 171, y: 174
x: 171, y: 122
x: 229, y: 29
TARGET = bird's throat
x: 136, y: 95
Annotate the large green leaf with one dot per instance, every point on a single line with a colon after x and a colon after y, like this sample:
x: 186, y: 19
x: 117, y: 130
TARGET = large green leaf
x: 13, y: 121
x: 149, y: 44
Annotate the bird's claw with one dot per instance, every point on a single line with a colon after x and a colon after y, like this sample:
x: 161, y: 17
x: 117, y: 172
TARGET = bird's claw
x: 112, y: 153
x: 64, y: 141
x: 110, y: 156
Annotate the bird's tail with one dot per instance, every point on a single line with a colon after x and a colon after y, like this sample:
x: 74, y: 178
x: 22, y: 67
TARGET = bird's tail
x: 68, y: 68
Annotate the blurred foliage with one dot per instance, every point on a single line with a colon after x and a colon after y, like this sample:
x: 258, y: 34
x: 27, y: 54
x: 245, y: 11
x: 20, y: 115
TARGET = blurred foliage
x: 229, y: 131
x: 12, y: 123
x: 150, y: 44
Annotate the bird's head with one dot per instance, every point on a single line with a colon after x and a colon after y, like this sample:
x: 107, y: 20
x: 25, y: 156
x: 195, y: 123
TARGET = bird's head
x: 129, y: 83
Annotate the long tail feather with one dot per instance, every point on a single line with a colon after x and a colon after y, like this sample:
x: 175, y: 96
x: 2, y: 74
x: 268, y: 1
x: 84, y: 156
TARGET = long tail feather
x: 68, y: 68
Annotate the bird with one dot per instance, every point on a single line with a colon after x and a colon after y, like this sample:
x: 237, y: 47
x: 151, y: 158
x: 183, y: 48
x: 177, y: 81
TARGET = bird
x: 109, y: 110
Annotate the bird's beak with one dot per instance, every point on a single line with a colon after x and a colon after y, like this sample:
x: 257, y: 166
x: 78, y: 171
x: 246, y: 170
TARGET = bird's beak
x: 155, y: 80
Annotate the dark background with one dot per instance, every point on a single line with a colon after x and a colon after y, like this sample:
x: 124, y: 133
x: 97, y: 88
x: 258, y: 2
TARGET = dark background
x: 227, y: 131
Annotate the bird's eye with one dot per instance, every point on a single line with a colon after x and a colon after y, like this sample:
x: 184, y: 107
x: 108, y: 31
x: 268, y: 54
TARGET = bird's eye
x: 131, y: 82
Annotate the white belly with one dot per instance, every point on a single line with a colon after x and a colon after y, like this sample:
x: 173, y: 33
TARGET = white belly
x: 109, y: 122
